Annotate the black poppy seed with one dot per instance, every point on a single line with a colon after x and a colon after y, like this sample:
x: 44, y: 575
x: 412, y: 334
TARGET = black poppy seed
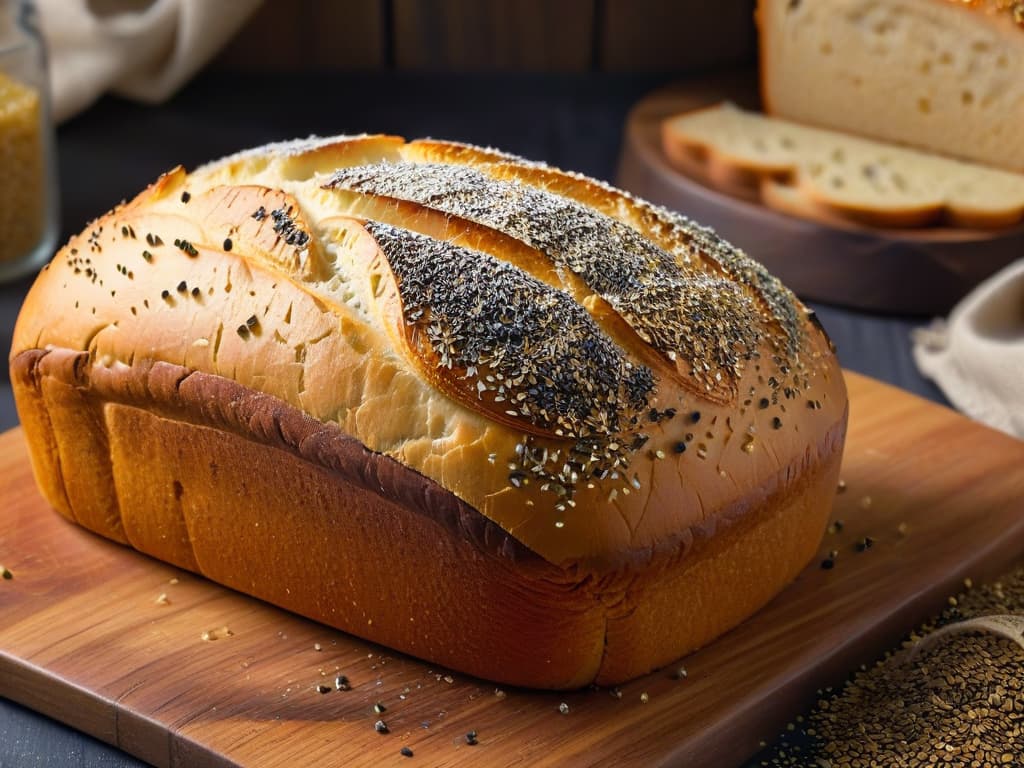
x: 654, y: 415
x: 243, y: 331
x: 147, y: 256
x: 679, y: 447
x: 776, y: 423
x: 405, y: 752
x: 260, y: 213
x: 182, y: 287
x: 763, y: 403
x: 865, y: 544
x: 187, y: 247
x: 828, y: 564
x: 379, y: 708
x: 153, y: 240
x: 471, y: 738
x: 380, y: 727
x: 6, y: 573
x: 695, y: 417
x: 252, y: 322
x: 124, y: 231
x: 195, y: 292
x: 669, y: 413
x: 165, y: 294
x: 341, y: 683
x: 323, y: 688
x: 228, y: 244
x: 185, y: 197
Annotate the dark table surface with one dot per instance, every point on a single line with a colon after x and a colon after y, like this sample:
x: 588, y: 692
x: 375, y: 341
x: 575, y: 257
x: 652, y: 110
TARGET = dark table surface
x: 573, y: 121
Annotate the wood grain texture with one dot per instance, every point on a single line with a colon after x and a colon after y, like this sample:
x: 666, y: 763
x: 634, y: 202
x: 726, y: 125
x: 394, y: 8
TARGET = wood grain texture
x: 83, y: 638
x: 285, y: 36
x: 467, y: 35
x: 852, y: 265
x: 658, y: 36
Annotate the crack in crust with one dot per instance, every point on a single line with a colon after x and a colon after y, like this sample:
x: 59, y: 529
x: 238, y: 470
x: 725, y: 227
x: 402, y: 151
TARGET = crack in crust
x: 705, y: 322
x: 499, y: 335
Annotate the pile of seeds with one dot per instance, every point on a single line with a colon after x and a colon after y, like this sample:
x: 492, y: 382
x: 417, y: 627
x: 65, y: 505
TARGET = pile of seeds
x: 958, y: 701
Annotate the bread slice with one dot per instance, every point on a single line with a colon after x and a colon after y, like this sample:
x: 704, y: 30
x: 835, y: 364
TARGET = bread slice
x: 769, y: 159
x: 942, y: 76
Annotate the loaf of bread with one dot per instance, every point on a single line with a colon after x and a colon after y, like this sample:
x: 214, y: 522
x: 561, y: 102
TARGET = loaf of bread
x: 491, y: 414
x: 942, y: 75
x: 818, y: 173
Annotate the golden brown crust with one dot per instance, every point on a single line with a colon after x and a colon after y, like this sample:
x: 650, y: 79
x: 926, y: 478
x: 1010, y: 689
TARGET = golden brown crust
x: 323, y: 346
x: 250, y: 327
x: 422, y: 572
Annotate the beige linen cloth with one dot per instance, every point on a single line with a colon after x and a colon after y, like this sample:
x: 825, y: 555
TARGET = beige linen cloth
x: 140, y: 49
x: 977, y: 355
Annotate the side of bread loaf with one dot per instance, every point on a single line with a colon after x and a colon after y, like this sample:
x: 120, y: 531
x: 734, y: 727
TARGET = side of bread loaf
x: 940, y: 75
x: 820, y: 173
x: 495, y: 415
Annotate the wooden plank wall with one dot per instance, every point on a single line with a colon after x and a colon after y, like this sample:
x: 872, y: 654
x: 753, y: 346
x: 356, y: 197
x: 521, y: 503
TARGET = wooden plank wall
x: 495, y: 35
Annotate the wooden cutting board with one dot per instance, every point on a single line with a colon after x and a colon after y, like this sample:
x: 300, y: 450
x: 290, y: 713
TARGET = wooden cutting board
x: 85, y: 639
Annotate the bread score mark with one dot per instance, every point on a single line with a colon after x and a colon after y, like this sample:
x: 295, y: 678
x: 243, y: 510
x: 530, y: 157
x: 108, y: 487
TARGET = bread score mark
x: 689, y: 242
x: 502, y: 342
x: 705, y: 327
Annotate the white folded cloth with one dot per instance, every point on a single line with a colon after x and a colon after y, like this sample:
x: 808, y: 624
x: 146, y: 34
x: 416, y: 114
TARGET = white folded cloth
x: 141, y: 49
x: 977, y: 356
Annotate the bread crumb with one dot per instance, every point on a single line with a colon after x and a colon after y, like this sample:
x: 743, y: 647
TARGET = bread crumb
x: 215, y: 634
x: 162, y: 599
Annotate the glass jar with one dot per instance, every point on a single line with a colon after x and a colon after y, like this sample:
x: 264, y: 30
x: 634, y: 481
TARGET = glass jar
x: 28, y: 173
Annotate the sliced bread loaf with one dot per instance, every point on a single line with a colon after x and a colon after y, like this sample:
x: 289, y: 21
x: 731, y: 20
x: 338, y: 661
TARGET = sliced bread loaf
x: 803, y: 170
x: 940, y: 75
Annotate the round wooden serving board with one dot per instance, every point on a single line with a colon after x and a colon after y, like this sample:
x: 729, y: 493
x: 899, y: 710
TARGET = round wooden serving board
x: 923, y: 271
